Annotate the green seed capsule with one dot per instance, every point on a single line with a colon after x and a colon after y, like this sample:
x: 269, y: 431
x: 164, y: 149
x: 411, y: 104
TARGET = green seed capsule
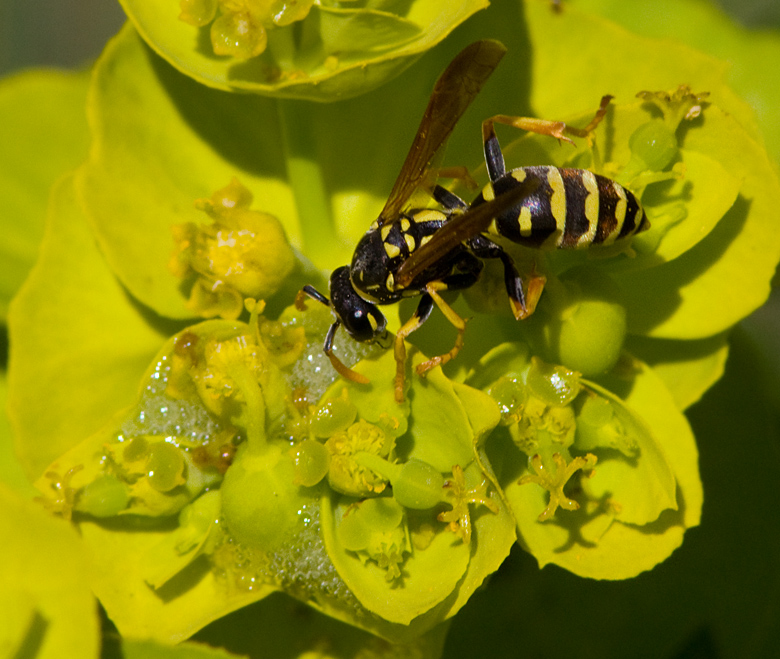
x: 584, y: 327
x: 238, y: 35
x: 555, y: 385
x: 136, y: 449
x: 381, y: 515
x: 260, y: 501
x: 591, y: 340
x: 289, y: 11
x: 311, y: 460
x: 335, y: 415
x: 165, y: 467
x: 106, y: 496
x: 353, y: 532
x: 197, y: 12
x: 418, y: 485
x: 509, y: 396
x: 599, y: 427
x: 655, y: 144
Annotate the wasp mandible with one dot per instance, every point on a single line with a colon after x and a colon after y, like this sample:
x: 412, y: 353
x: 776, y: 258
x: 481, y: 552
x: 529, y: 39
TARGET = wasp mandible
x: 408, y: 252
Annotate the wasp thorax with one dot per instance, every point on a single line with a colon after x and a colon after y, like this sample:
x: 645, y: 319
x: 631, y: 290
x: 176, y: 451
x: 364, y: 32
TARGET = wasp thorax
x: 371, y: 271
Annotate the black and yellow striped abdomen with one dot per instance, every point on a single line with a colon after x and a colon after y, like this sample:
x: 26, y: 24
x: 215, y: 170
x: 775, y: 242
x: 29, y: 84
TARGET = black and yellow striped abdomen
x: 569, y: 209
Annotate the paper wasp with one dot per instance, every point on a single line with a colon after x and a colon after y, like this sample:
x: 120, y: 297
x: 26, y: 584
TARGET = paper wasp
x: 422, y: 251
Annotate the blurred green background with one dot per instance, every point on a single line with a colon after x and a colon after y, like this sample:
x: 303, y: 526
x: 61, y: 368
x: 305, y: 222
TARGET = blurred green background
x: 71, y: 32
x: 65, y: 33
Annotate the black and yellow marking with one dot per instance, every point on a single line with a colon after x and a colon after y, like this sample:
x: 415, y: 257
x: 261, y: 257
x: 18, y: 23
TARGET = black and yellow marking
x: 568, y: 209
x: 422, y: 252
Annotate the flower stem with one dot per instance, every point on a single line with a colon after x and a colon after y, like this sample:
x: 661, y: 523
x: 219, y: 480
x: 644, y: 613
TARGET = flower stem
x: 254, y: 415
x: 306, y: 181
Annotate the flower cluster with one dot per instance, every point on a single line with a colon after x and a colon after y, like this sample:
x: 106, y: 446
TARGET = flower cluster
x: 311, y: 49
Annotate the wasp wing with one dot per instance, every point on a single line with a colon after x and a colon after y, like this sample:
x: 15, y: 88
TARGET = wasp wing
x: 454, y: 91
x: 458, y: 229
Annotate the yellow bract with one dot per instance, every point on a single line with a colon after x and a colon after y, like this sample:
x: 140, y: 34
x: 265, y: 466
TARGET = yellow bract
x: 243, y: 254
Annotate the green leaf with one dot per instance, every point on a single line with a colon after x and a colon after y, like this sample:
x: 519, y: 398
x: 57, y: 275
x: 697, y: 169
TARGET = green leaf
x: 38, y: 146
x: 696, y: 610
x: 708, y: 288
x: 134, y: 649
x: 423, y: 584
x: 494, y: 534
x: 48, y: 608
x: 332, y: 54
x: 649, y: 398
x: 442, y: 432
x: 709, y: 191
x: 687, y: 368
x: 725, y: 276
x: 11, y: 470
x: 153, y: 577
x: 481, y: 409
x: 436, y: 405
x: 704, y: 25
x: 170, y: 614
x: 82, y: 334
x: 363, y: 30
x: 288, y: 628
x: 643, y: 490
x: 600, y: 545
x: 644, y: 64
x: 375, y: 402
x: 132, y: 199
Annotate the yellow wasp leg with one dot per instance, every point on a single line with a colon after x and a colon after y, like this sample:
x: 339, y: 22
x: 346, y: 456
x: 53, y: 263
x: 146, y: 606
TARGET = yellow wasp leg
x: 556, y: 129
x: 399, y: 350
x: 413, y: 324
x: 458, y: 173
x: 459, y: 323
x: 533, y: 291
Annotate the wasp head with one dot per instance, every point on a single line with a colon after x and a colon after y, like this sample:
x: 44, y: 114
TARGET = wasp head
x: 362, y: 320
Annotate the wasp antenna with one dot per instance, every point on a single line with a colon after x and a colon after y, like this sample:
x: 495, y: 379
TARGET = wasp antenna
x: 345, y: 371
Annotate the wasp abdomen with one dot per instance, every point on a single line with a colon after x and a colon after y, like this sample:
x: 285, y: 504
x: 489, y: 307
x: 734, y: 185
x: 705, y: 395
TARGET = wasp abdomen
x: 569, y: 209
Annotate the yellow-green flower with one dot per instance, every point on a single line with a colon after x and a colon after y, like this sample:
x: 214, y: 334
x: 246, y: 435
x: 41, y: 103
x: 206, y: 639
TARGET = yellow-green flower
x: 208, y: 464
x: 321, y: 50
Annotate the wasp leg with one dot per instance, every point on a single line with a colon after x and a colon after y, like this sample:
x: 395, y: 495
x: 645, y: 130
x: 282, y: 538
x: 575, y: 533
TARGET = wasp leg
x: 523, y: 294
x: 419, y: 316
x: 449, y: 200
x: 557, y: 129
x: 458, y: 173
x: 459, y: 323
x: 533, y: 291
x: 470, y: 269
x: 600, y: 114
